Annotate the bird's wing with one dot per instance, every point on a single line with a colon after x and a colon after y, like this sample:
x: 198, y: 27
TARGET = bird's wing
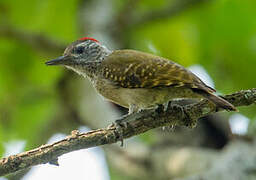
x: 134, y: 69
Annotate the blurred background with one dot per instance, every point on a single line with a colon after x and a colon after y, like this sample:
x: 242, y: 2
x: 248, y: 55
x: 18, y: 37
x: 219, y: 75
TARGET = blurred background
x: 216, y: 39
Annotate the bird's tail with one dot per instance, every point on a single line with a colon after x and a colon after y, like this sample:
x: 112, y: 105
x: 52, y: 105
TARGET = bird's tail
x: 218, y: 101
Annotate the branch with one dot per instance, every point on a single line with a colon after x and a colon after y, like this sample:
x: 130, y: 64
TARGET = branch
x: 35, y: 40
x: 170, y: 11
x: 138, y: 123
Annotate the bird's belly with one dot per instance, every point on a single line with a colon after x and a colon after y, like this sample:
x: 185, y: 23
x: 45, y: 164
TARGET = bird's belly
x: 149, y: 98
x: 111, y: 92
x: 142, y: 98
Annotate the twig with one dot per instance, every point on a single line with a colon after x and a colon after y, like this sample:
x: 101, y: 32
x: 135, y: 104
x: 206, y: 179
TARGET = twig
x: 170, y: 11
x: 138, y: 123
x: 128, y: 19
x: 34, y: 40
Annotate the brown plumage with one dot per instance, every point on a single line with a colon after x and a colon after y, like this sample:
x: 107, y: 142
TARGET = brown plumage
x: 127, y: 70
x: 148, y: 71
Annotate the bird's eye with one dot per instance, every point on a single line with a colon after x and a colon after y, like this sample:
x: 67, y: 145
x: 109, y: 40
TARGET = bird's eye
x: 79, y: 50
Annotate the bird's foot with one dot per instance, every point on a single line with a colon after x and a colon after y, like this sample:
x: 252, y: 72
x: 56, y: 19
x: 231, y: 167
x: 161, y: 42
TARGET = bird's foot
x: 161, y: 108
x: 166, y: 106
x: 133, y: 109
x: 179, y: 108
x: 119, y: 125
x: 189, y: 121
x: 168, y: 128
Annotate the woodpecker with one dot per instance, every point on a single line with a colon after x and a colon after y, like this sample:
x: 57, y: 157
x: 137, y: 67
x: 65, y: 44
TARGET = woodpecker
x: 134, y: 79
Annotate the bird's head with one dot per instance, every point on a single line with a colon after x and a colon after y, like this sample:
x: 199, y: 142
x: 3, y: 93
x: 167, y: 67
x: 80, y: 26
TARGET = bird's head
x: 80, y: 53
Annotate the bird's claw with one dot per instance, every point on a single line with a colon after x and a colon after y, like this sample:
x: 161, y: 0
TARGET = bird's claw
x: 119, y: 125
x: 161, y: 108
x: 168, y: 128
x: 180, y: 108
x: 190, y: 122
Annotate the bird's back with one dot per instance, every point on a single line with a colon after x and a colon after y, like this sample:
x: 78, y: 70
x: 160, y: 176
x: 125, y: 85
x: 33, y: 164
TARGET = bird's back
x: 135, y: 69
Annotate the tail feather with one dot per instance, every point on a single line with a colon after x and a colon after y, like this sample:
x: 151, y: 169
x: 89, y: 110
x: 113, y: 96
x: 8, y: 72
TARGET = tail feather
x: 218, y: 101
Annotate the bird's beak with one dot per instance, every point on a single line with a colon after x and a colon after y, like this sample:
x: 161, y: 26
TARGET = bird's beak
x: 62, y: 60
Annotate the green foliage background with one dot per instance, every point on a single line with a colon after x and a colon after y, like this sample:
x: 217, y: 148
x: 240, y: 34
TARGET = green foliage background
x: 219, y: 35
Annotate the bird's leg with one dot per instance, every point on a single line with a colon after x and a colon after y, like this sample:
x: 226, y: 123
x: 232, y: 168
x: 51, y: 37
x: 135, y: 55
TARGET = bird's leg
x: 123, y: 121
x: 189, y: 121
x: 118, y: 128
x: 162, y: 107
x: 174, y: 105
x: 179, y: 107
x: 133, y: 108
x: 166, y: 106
x: 168, y: 128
